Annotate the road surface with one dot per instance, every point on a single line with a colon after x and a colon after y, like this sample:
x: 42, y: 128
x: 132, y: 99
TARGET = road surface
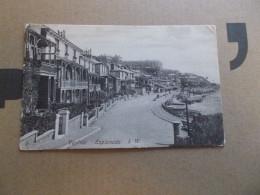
x: 131, y: 123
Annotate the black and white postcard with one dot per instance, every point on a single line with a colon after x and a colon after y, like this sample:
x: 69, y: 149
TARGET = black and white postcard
x: 108, y: 86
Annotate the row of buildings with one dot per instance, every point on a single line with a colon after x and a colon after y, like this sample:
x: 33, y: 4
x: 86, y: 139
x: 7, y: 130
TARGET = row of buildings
x: 68, y: 74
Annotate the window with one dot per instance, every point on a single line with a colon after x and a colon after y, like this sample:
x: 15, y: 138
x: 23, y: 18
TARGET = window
x: 66, y: 50
x: 43, y: 32
x: 31, y: 39
x: 57, y: 45
x: 74, y: 55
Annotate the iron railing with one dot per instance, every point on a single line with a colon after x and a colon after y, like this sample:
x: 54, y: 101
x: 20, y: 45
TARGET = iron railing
x: 74, y: 84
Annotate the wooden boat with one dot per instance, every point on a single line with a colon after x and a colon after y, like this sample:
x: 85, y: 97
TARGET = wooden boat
x: 188, y: 94
x: 194, y: 98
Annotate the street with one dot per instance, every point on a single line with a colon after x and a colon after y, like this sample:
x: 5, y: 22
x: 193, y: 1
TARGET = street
x: 131, y: 123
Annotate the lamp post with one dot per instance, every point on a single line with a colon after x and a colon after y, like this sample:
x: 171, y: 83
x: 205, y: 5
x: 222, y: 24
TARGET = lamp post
x: 176, y: 131
x: 187, y: 116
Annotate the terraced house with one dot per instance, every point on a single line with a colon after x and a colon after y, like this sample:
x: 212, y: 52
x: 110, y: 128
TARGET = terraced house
x: 104, y: 69
x: 72, y: 81
x: 41, y: 68
x: 68, y: 74
x: 124, y: 80
x: 94, y: 79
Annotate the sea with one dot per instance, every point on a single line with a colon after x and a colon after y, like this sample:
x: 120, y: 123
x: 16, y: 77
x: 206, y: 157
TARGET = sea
x: 211, y: 104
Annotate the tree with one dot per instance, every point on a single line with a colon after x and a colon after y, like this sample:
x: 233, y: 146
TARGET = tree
x: 30, y: 85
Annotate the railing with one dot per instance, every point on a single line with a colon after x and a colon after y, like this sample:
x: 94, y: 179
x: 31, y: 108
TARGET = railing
x: 129, y: 78
x: 93, y: 87
x: 110, y: 85
x: 46, y: 57
x: 97, y: 86
x: 47, y: 68
x: 74, y: 84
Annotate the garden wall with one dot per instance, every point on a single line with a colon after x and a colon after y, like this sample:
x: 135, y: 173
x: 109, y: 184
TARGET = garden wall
x: 74, y: 123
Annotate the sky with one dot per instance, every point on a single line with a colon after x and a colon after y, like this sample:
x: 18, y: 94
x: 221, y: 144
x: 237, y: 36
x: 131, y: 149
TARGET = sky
x: 189, y: 49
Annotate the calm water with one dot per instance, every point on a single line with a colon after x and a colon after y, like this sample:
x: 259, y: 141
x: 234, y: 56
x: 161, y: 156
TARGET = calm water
x: 211, y: 104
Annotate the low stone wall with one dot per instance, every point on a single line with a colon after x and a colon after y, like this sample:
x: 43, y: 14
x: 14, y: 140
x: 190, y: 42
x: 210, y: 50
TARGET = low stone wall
x: 175, y: 112
x: 31, y: 138
x: 110, y: 104
x: 74, y: 123
x: 48, y: 135
x: 102, y: 110
x: 28, y: 139
x: 92, y: 120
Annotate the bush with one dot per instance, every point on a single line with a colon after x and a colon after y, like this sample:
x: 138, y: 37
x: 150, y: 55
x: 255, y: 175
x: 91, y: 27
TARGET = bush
x: 46, y: 120
x: 208, y: 130
x: 30, y: 88
x: 75, y: 109
x: 41, y: 123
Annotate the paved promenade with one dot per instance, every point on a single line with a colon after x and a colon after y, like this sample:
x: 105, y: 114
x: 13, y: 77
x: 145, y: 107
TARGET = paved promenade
x: 133, y: 124
x: 136, y: 122
x: 158, y: 110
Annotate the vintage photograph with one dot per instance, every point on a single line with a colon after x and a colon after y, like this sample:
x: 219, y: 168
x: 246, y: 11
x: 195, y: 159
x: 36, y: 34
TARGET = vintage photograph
x: 112, y: 86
